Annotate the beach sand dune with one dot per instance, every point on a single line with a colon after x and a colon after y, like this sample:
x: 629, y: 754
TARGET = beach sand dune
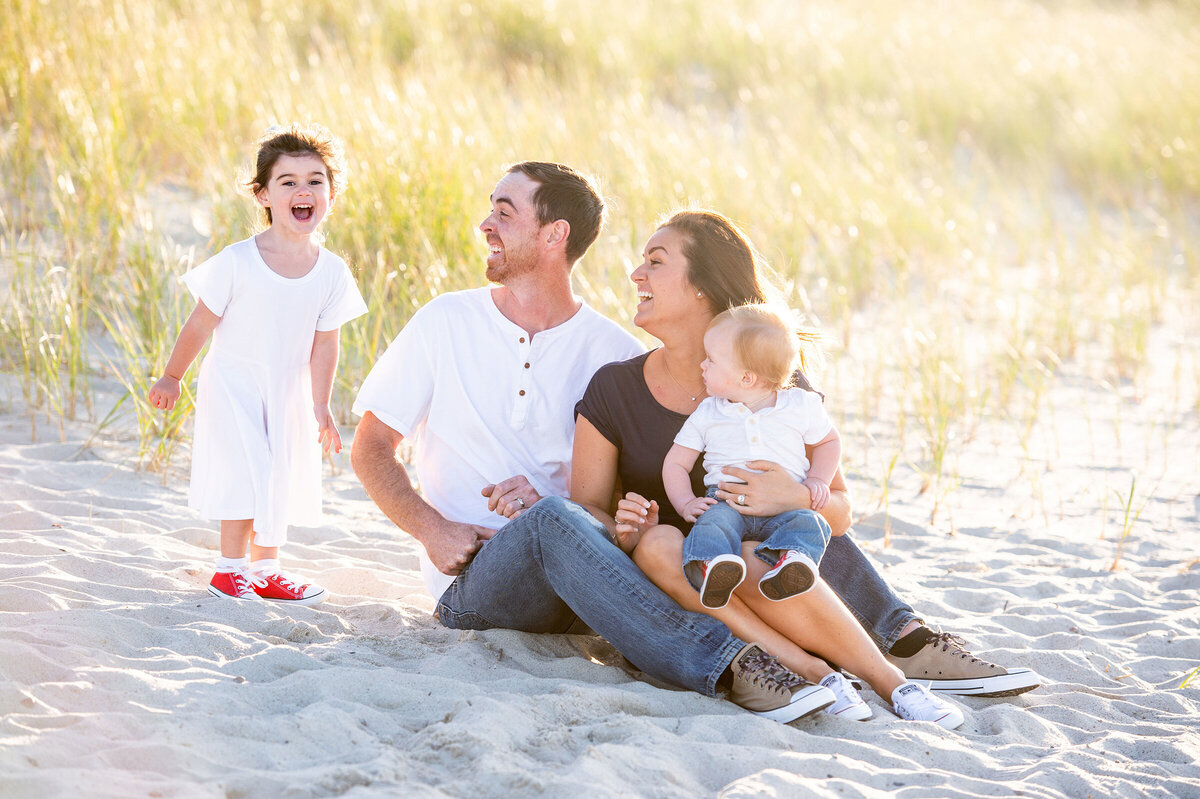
x: 123, y: 678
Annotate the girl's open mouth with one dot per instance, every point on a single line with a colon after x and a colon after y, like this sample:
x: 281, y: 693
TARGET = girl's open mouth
x: 302, y: 212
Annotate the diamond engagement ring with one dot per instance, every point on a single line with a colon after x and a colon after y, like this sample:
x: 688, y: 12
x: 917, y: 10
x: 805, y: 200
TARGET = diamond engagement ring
x: 520, y: 502
x: 741, y: 499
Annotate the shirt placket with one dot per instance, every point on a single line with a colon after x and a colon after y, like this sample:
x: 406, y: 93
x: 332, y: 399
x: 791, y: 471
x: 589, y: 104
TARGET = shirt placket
x: 520, y: 412
x: 754, y: 436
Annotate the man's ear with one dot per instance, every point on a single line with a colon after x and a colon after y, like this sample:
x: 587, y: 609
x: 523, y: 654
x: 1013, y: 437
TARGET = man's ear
x: 560, y: 231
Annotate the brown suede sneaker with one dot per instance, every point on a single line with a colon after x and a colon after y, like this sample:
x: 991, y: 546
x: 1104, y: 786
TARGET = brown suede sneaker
x: 949, y: 668
x: 765, y: 687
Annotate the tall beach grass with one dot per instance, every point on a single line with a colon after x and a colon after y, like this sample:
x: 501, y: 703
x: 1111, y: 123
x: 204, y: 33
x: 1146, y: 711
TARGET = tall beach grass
x: 967, y: 197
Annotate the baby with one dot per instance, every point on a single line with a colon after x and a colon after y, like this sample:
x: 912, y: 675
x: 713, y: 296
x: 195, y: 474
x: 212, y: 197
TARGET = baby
x: 752, y: 414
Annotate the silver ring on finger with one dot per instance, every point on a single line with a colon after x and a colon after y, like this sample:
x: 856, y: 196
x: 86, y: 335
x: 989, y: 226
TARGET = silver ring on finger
x: 521, y: 502
x: 741, y: 499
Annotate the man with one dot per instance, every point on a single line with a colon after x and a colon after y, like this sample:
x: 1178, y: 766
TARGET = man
x: 485, y: 382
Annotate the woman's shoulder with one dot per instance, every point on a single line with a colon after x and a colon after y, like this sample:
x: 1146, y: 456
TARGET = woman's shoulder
x: 621, y: 373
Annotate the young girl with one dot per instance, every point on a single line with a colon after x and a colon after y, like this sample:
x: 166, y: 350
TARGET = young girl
x: 751, y: 414
x: 273, y: 304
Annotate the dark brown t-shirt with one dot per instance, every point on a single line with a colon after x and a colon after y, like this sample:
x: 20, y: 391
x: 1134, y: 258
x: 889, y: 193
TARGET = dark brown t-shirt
x: 619, y: 404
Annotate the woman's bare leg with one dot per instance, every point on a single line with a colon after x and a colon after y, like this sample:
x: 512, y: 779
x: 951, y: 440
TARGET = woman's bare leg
x: 659, y: 555
x: 818, y: 622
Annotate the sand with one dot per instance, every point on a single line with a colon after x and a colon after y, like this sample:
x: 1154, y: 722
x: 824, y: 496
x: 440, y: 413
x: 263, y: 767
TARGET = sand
x: 121, y: 677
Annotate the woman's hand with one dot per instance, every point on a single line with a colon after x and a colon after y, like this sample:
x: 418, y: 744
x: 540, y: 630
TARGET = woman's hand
x: 768, y: 490
x: 635, y: 515
x: 327, y: 432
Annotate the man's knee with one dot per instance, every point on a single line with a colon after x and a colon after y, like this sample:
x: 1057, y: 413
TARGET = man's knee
x: 567, y: 516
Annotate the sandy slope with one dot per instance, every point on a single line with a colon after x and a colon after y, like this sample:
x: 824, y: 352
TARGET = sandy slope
x: 122, y: 678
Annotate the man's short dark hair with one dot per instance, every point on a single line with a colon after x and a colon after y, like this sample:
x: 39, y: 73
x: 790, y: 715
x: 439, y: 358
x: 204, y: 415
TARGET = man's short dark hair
x: 563, y: 193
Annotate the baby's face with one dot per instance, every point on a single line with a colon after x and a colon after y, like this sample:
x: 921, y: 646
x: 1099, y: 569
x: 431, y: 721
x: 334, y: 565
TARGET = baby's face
x: 723, y: 373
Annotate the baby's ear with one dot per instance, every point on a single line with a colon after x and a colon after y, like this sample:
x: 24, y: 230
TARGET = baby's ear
x: 749, y: 379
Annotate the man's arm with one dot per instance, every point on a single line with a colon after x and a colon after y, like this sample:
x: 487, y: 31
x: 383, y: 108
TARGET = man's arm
x: 450, y: 545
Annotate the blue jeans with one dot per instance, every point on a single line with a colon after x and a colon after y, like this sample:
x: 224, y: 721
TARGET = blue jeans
x: 720, y: 530
x: 863, y: 591
x: 555, y: 564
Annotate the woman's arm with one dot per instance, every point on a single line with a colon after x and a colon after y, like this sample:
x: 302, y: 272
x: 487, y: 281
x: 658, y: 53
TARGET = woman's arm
x: 594, y: 473
x: 770, y: 490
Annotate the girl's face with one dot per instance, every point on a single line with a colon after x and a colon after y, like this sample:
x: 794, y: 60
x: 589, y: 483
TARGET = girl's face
x: 724, y: 375
x: 665, y: 295
x: 298, y: 194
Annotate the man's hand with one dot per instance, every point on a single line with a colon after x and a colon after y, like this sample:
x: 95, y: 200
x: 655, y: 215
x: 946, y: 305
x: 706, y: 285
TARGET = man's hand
x: 768, y: 490
x: 512, y: 497
x: 452, y: 546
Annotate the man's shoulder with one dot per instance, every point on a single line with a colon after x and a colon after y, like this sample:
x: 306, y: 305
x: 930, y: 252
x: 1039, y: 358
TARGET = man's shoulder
x: 615, y: 340
x: 455, y: 305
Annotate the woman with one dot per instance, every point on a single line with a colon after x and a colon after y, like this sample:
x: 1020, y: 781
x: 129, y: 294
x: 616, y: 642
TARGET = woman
x: 694, y: 266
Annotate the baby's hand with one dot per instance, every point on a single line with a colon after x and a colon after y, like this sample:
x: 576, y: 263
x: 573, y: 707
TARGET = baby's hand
x: 164, y: 393
x: 692, y: 510
x: 327, y: 432
x: 819, y: 490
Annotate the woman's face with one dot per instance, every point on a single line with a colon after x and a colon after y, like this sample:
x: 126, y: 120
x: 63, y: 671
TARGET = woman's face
x: 664, y: 294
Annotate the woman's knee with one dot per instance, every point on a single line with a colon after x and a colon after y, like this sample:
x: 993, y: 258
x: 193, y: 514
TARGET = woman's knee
x: 660, y: 547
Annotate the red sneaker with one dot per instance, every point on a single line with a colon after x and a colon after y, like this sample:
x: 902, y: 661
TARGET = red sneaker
x: 279, y: 587
x: 232, y: 585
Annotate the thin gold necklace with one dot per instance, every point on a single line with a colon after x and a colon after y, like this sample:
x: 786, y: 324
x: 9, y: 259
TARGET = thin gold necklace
x: 667, y: 366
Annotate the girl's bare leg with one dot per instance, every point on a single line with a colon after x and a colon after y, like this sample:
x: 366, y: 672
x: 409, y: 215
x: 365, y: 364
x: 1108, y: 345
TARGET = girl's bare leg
x: 235, y: 537
x: 818, y: 622
x: 258, y: 553
x: 659, y: 554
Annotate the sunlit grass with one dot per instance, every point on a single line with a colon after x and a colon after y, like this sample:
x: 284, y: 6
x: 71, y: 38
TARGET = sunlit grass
x: 967, y: 196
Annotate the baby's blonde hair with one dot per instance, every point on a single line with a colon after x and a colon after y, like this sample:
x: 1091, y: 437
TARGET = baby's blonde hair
x: 765, y: 343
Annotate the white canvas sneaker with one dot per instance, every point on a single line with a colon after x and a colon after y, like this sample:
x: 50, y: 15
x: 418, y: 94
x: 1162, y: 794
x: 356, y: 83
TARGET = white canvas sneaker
x: 915, y: 702
x: 849, y: 704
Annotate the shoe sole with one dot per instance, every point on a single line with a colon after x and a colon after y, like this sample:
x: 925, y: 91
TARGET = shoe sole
x: 1014, y: 683
x: 805, y: 702
x: 719, y: 584
x: 792, y: 579
x: 306, y: 601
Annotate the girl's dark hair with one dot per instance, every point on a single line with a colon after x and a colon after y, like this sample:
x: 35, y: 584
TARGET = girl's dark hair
x: 297, y: 140
x: 721, y: 262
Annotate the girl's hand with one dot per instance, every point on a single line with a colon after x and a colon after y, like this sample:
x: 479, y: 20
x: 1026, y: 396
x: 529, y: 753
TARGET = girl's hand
x: 327, y: 435
x: 635, y: 515
x: 692, y: 510
x: 164, y: 393
x: 819, y: 490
